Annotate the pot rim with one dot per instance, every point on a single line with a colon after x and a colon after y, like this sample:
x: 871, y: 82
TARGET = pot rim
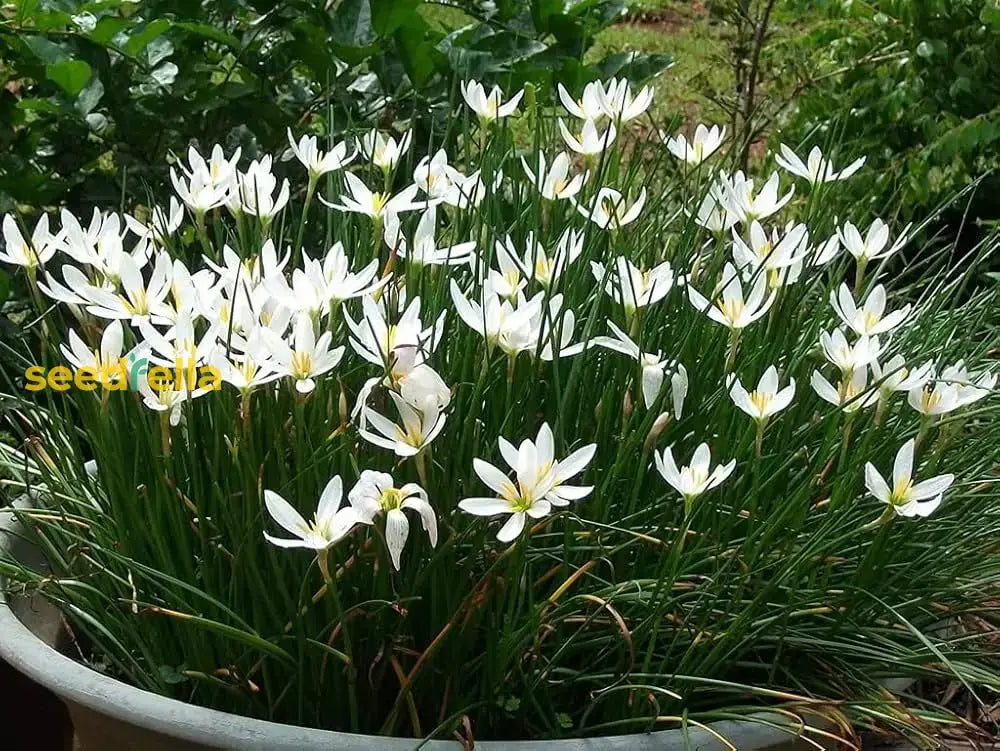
x: 78, y: 684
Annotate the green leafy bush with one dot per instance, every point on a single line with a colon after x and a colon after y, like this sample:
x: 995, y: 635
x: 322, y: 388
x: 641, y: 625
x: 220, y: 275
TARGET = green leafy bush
x: 913, y: 84
x: 99, y: 94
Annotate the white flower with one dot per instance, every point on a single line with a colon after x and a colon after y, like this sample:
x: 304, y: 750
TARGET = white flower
x: 248, y: 370
x: 870, y: 318
x: 199, y: 193
x: 705, y: 143
x: 971, y: 386
x: 384, y: 152
x: 551, y: 330
x: 895, y: 376
x: 136, y: 300
x: 693, y: 480
x: 839, y: 352
x: 826, y: 251
x: 555, y: 183
x: 954, y: 388
x: 587, y: 107
x: 590, y: 141
x: 316, y: 287
x: 905, y: 498
x: 329, y: 525
x: 619, y: 104
x: 425, y: 251
x: 75, y: 289
x: 375, y: 493
x: 654, y: 368
x: 255, y: 192
x: 434, y: 176
x: 540, y: 483
x: 374, y: 205
x: 513, y: 275
x: 218, y: 172
x: 535, y: 264
x: 344, y: 284
x: 101, y: 359
x: 771, y: 253
x: 250, y: 270
x: 19, y: 252
x: 161, y: 224
x: 316, y: 162
x: 850, y: 394
x: 873, y: 245
x: 546, y: 269
x: 730, y: 308
x: 307, y: 357
x: 766, y: 400
x: 490, y: 106
x: 738, y: 194
x: 169, y: 400
x: 469, y: 190
x: 496, y: 320
x: 632, y: 287
x: 421, y: 425
x: 179, y: 344
x: 816, y: 169
x: 610, y: 209
x: 375, y: 339
x: 713, y: 214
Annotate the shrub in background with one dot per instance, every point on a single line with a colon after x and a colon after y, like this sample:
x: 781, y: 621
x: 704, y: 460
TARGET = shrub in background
x: 913, y: 84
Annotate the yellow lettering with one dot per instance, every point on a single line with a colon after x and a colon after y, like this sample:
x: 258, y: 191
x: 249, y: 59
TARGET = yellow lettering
x: 210, y: 378
x: 36, y: 378
x: 160, y: 378
x: 86, y: 378
x: 59, y: 378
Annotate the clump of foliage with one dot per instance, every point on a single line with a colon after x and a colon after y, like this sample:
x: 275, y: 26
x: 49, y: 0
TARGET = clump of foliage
x: 574, y: 440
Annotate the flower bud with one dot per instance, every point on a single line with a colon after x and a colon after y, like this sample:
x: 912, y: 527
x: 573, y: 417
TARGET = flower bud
x: 659, y: 425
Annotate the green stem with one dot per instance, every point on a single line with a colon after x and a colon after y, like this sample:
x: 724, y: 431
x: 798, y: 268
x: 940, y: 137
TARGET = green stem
x: 303, y: 220
x: 734, y: 343
x: 352, y: 673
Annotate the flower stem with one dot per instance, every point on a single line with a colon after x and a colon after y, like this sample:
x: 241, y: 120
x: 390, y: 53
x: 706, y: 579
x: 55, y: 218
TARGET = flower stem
x: 734, y: 343
x: 303, y: 220
x: 859, y: 277
x: 352, y: 675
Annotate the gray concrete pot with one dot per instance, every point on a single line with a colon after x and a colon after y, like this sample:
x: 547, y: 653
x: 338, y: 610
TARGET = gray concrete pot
x: 109, y: 715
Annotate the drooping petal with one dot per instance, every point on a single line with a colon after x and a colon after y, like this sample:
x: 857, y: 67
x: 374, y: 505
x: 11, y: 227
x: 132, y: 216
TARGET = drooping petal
x: 397, y: 529
x: 428, y: 518
x: 512, y: 528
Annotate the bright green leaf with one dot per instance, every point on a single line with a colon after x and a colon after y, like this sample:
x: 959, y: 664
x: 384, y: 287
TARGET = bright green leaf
x: 69, y: 75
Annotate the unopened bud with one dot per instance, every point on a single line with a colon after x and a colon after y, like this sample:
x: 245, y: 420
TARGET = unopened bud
x: 626, y: 407
x: 342, y: 406
x: 654, y: 432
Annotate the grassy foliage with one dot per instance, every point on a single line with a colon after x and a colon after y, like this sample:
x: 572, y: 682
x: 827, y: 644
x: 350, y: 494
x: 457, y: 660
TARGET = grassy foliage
x: 786, y: 586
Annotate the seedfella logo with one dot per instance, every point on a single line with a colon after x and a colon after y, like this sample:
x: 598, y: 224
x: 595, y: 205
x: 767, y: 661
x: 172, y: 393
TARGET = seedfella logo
x: 125, y: 375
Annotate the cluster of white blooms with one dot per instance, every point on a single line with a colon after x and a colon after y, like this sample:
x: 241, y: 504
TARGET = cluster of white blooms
x: 261, y: 317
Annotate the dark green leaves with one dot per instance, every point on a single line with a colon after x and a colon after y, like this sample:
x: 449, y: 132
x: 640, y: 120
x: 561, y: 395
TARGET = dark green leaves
x: 69, y: 75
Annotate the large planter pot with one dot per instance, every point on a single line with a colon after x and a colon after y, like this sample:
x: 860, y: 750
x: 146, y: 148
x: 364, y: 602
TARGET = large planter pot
x: 110, y: 715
